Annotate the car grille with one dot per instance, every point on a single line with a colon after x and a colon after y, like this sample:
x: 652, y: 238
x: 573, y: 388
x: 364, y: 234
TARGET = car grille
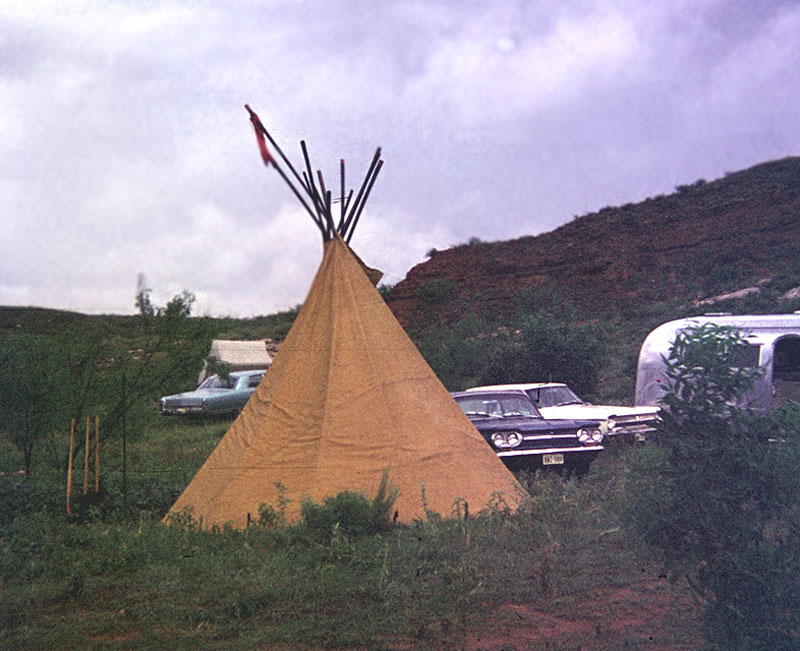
x: 550, y: 440
x: 546, y: 443
x: 634, y: 424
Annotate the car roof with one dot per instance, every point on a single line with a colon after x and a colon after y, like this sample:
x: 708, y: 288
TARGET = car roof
x: 492, y: 391
x: 241, y: 373
x: 522, y: 386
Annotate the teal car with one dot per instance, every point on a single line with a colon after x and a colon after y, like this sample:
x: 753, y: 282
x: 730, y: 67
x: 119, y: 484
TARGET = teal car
x: 216, y: 395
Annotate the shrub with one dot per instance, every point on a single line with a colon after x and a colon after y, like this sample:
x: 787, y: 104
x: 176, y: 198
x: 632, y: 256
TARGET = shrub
x: 349, y: 513
x: 20, y: 497
x: 458, y: 353
x: 385, y: 290
x: 435, y: 291
x: 544, y: 347
x: 718, y: 495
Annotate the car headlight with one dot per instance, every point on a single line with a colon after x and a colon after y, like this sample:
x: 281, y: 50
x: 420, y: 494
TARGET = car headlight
x: 506, y: 439
x: 611, y: 424
x: 514, y: 439
x: 590, y: 435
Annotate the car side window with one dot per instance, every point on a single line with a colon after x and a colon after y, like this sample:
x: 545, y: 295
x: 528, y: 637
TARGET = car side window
x: 254, y: 380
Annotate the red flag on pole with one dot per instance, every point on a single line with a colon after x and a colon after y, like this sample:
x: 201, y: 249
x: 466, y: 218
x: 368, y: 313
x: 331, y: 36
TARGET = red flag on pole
x: 262, y: 142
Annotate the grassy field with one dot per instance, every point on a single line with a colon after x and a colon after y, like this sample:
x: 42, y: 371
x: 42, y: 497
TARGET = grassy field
x: 560, y: 573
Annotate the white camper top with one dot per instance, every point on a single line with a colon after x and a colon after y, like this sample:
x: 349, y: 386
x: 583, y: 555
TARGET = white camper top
x: 761, y: 330
x: 241, y: 354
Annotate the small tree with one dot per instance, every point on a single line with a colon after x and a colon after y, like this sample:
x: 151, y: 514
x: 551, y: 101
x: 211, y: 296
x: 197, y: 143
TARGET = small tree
x: 457, y: 354
x: 718, y: 494
x: 31, y: 370
x: 47, y: 381
x: 171, y: 346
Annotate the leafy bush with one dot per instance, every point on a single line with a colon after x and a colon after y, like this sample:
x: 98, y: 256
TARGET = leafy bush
x: 435, y: 291
x: 18, y: 497
x: 457, y: 353
x: 544, y: 341
x: 544, y: 347
x: 718, y: 495
x: 350, y: 513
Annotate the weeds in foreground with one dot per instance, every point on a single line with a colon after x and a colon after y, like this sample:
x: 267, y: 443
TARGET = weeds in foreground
x: 323, y: 582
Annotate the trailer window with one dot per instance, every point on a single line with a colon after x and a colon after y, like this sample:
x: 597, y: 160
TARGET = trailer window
x: 746, y: 356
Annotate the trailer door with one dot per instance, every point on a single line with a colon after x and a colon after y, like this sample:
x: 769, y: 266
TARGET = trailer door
x: 786, y: 370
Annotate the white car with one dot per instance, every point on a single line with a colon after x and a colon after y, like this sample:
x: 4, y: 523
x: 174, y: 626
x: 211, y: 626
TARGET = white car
x: 556, y: 401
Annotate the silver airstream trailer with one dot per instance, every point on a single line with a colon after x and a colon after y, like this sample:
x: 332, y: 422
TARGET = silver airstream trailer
x: 774, y: 345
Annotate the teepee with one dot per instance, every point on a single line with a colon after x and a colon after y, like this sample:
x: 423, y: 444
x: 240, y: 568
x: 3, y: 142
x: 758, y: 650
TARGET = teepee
x: 347, y: 398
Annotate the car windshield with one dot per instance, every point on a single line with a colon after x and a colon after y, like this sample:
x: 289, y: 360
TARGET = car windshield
x: 497, y: 406
x: 554, y: 396
x: 216, y: 382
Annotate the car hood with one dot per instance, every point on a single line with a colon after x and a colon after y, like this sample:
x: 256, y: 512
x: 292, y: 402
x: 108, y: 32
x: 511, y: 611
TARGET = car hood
x: 495, y: 424
x: 197, y: 395
x: 599, y: 412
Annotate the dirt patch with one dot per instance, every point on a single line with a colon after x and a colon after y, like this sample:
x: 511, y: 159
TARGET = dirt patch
x: 652, y: 614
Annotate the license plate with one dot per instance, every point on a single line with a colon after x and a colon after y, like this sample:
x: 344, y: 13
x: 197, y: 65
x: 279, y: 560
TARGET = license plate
x: 552, y: 459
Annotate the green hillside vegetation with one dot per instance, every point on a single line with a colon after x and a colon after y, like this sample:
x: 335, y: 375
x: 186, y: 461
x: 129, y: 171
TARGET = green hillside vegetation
x: 616, y: 273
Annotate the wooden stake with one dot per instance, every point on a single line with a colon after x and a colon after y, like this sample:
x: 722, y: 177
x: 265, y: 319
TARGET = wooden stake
x: 124, y: 443
x: 69, y: 464
x: 86, y: 461
x: 97, y: 453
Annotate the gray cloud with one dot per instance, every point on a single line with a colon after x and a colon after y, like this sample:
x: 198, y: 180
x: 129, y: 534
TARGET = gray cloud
x: 126, y: 147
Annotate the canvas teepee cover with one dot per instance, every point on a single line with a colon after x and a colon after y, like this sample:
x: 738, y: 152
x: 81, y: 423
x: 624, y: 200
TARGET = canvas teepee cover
x: 347, y: 397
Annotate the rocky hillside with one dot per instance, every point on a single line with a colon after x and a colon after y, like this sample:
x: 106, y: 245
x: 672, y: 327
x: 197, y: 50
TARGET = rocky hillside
x: 741, y: 232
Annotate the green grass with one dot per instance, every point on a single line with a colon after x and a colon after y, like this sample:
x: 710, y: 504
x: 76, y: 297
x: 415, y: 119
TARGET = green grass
x: 121, y: 579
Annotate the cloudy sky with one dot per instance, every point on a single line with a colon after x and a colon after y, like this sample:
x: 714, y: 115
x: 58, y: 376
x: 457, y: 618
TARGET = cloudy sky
x: 125, y: 148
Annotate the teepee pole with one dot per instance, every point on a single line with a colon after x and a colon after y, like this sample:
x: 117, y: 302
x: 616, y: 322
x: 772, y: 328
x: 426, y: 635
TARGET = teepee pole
x: 268, y: 159
x: 328, y: 201
x: 361, y: 200
x: 319, y: 219
x: 316, y: 192
x: 323, y: 221
x: 346, y: 206
x: 297, y: 194
x: 354, y: 206
x: 312, y: 194
x: 341, y: 196
x: 259, y: 127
